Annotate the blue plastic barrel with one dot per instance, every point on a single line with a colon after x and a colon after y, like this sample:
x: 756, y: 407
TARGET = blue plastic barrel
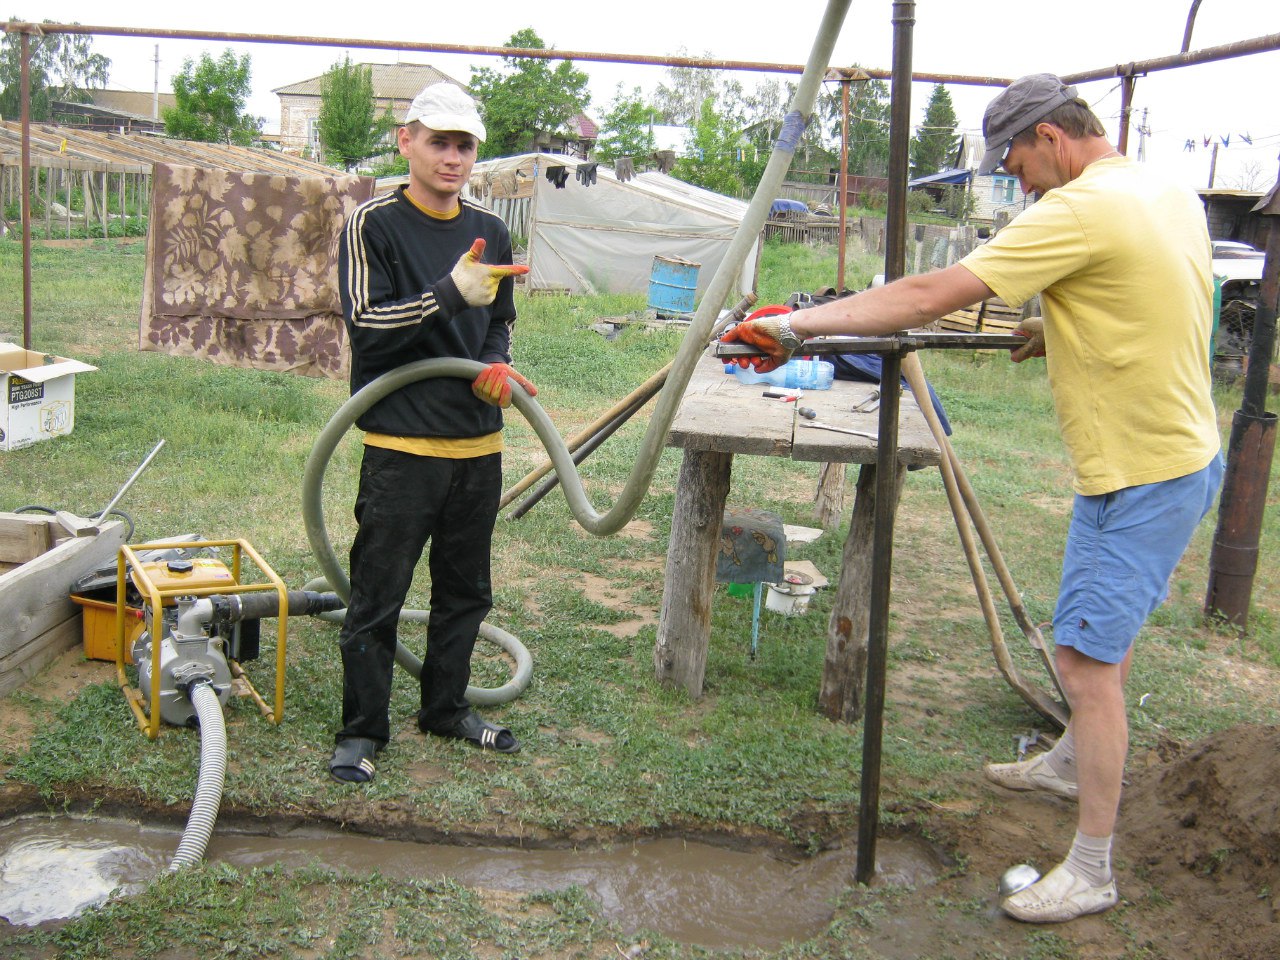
x: 672, y: 284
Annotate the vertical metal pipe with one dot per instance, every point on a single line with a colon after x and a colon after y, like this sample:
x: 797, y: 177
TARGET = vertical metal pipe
x: 878, y: 629
x: 886, y: 455
x: 1126, y: 108
x: 1233, y: 561
x: 843, y: 180
x: 899, y: 140
x: 25, y: 90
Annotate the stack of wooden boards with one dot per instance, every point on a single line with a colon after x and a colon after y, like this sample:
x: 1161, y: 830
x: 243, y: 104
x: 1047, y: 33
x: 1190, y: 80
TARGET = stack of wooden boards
x: 989, y: 316
x: 41, y: 558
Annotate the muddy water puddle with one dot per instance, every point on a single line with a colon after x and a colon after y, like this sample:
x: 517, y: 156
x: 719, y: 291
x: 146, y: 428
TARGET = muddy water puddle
x: 693, y: 892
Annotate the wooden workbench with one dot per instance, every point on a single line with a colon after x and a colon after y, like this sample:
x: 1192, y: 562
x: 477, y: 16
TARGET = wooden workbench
x: 719, y: 417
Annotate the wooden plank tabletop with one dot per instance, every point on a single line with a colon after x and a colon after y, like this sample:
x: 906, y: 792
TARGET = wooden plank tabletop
x: 720, y: 414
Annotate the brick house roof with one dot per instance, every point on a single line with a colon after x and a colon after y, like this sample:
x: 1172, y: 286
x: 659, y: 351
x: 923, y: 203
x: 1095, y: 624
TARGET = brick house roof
x: 391, y: 81
x: 134, y: 102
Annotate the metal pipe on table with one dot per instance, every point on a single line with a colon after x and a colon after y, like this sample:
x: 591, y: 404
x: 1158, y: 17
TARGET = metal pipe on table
x: 822, y: 346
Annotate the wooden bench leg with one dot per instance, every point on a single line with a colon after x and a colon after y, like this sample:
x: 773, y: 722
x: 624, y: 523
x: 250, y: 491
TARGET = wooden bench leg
x: 684, y: 625
x: 844, y: 669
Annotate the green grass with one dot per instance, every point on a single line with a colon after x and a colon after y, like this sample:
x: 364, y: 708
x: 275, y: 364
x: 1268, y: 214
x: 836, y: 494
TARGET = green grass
x: 607, y: 748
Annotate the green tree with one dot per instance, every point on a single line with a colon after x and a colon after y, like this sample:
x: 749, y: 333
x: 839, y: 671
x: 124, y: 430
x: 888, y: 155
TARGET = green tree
x: 627, y: 128
x: 715, y: 148
x: 528, y: 99
x: 351, y: 129
x: 211, y: 98
x: 63, y: 67
x: 680, y: 100
x: 935, y: 142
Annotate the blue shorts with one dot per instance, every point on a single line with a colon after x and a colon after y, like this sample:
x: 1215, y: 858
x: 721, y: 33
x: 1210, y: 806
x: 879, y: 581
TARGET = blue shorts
x: 1122, y: 548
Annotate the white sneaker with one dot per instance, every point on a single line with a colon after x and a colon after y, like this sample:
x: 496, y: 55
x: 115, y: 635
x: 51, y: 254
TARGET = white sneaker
x: 1033, y: 774
x: 1059, y: 896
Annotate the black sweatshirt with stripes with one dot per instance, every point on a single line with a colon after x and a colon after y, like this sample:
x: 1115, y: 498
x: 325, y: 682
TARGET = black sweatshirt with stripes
x: 400, y: 306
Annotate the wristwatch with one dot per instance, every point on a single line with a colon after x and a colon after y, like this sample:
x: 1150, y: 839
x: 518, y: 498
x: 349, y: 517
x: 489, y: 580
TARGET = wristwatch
x: 787, y: 336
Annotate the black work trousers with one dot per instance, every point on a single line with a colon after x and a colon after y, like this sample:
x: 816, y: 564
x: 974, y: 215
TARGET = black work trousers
x: 405, y: 501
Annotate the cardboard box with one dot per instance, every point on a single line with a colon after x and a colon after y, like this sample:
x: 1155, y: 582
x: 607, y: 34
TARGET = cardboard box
x: 37, y: 395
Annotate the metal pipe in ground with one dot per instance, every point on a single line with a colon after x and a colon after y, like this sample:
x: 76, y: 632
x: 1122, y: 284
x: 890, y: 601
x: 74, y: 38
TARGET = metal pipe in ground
x: 904, y: 13
x: 1233, y: 561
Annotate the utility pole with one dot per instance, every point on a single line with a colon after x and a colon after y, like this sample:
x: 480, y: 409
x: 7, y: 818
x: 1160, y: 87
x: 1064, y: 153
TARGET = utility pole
x: 1213, y: 164
x: 1143, y: 130
x: 155, y: 92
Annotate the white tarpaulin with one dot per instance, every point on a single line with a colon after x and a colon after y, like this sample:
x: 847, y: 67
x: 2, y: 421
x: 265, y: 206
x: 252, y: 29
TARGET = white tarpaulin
x: 601, y: 235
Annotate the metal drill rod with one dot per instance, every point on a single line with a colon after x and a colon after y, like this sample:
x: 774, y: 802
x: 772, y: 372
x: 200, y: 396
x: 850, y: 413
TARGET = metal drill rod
x: 892, y: 344
x: 129, y: 483
x: 819, y: 425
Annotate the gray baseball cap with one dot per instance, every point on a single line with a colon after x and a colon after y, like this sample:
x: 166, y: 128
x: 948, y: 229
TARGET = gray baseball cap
x: 1017, y: 107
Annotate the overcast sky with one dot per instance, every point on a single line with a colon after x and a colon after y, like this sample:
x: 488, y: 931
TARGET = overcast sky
x: 1230, y: 103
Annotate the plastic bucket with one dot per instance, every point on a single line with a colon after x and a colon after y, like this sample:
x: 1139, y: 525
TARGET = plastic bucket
x: 672, y: 284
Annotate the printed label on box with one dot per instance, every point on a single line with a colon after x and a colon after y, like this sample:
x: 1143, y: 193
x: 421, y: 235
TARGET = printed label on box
x: 24, y: 391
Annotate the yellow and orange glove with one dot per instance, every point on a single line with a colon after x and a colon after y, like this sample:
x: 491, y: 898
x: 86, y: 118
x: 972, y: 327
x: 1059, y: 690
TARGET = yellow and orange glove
x: 1033, y: 329
x: 493, y: 385
x: 760, y: 330
x: 478, y: 282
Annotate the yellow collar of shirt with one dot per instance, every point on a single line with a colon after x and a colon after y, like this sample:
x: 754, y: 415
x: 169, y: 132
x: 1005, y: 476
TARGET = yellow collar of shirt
x: 434, y: 214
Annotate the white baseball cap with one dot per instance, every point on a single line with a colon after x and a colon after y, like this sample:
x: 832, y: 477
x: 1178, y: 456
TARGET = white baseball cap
x: 445, y: 106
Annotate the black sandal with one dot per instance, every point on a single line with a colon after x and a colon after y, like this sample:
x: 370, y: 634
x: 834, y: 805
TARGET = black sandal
x: 352, y: 760
x: 480, y: 733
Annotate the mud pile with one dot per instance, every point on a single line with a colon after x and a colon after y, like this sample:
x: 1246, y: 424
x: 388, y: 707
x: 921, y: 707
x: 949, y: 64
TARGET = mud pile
x: 1201, y: 826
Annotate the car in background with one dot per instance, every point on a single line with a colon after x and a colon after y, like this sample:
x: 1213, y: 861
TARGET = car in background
x: 1235, y: 250
x: 1237, y: 267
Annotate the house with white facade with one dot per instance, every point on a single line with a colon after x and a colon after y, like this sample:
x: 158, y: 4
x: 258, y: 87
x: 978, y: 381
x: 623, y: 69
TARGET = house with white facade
x: 995, y: 195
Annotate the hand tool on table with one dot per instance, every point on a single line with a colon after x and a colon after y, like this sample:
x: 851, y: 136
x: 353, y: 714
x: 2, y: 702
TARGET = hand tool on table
x: 868, y: 403
x: 819, y: 425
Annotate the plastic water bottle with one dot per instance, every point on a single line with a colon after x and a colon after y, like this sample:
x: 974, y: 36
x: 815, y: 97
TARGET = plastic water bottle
x: 803, y: 374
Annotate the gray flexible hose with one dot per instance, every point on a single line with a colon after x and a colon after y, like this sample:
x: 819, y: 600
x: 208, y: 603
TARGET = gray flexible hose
x: 213, y: 771
x: 479, y: 696
x: 691, y: 348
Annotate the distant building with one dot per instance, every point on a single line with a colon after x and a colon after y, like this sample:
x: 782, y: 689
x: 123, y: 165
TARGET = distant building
x: 574, y: 140
x: 394, y: 85
x: 117, y: 111
x: 996, y: 196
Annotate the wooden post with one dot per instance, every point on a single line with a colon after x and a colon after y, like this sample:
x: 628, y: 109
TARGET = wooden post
x: 840, y: 697
x: 828, y: 501
x: 684, y: 625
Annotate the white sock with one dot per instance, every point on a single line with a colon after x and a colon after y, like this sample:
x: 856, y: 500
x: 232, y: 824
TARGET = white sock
x: 1062, y: 758
x: 1090, y: 859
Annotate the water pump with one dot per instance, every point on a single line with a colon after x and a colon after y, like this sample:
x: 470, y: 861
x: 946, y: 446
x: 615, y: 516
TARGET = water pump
x: 200, y: 637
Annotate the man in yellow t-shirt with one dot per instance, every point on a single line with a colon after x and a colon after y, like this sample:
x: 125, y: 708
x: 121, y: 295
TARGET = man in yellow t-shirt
x: 1121, y: 261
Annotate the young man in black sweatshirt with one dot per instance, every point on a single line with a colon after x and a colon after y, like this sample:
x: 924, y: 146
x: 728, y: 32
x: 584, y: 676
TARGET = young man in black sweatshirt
x: 413, y: 287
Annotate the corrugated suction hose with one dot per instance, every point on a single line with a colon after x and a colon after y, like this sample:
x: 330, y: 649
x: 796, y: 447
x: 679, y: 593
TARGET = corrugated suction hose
x: 213, y: 771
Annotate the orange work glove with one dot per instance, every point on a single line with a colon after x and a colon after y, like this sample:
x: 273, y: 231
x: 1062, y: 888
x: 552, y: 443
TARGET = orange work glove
x: 761, y: 330
x: 492, y: 385
x: 1033, y: 329
x: 478, y: 282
